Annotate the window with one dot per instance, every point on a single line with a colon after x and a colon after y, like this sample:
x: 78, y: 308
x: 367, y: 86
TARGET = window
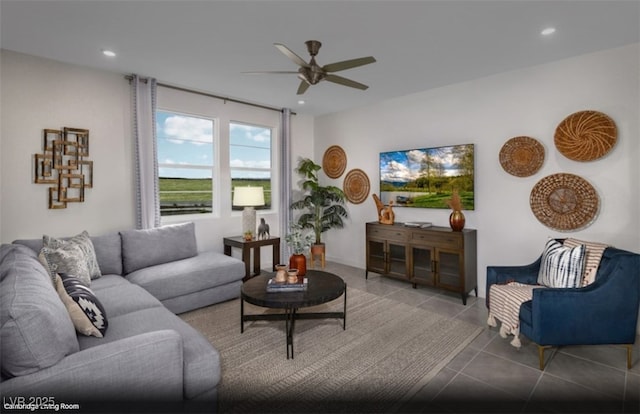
x: 185, y: 163
x: 250, y: 158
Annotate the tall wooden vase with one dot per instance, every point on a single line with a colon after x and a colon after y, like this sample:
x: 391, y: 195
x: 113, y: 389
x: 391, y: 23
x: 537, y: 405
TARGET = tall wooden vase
x: 456, y: 220
x: 298, y: 261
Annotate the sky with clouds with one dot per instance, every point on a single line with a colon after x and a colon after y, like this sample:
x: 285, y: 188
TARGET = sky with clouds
x: 406, y: 166
x: 188, y: 140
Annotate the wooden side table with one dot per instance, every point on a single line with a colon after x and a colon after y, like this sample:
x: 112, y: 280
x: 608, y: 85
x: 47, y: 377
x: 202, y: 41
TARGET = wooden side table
x: 246, y: 246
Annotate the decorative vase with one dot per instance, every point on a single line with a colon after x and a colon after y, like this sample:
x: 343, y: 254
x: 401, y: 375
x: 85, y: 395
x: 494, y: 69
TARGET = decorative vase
x: 281, y: 273
x: 456, y: 220
x: 292, y: 276
x: 298, y: 261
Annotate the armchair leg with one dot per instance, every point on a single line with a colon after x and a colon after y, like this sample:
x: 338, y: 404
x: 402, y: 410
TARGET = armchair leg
x: 541, y: 349
x: 629, y: 352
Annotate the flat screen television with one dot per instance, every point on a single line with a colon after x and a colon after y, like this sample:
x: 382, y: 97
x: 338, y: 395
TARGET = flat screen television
x: 426, y: 177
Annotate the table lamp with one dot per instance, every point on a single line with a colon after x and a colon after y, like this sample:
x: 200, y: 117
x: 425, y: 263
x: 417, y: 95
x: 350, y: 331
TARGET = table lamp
x: 248, y: 197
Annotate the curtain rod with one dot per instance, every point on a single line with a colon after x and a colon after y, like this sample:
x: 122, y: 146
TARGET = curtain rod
x: 210, y: 95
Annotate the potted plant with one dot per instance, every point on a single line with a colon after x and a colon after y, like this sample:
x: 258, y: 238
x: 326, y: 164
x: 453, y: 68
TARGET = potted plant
x: 323, y: 206
x: 299, y: 241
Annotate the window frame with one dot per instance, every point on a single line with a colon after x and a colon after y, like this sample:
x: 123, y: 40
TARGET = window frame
x: 214, y: 169
x: 271, y: 170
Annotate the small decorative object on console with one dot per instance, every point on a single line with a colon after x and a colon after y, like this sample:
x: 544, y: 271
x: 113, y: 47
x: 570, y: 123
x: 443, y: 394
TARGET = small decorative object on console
x: 418, y: 224
x: 385, y: 213
x: 456, y: 219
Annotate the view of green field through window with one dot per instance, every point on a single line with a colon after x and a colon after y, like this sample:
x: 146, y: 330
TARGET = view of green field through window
x: 186, y: 161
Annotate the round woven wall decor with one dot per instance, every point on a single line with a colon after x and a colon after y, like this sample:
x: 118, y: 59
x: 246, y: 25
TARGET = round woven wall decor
x: 356, y: 186
x: 334, y: 161
x: 522, y: 156
x: 586, y: 135
x: 564, y: 202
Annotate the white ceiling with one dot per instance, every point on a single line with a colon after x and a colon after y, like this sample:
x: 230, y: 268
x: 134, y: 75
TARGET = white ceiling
x: 419, y: 45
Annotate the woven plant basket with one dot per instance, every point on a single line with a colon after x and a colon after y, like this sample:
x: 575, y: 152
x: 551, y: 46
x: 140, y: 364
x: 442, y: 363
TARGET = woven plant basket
x: 586, y: 136
x: 564, y: 202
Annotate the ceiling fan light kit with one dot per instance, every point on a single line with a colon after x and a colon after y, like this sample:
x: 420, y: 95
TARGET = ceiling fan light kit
x: 311, y: 73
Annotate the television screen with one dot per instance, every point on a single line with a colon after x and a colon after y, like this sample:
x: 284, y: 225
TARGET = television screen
x: 426, y: 177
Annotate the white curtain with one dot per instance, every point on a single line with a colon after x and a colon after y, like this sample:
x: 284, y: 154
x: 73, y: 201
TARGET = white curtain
x: 146, y: 160
x: 285, y: 181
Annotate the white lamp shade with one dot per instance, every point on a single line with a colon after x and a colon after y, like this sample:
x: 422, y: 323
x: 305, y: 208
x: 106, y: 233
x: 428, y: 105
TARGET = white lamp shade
x: 248, y: 196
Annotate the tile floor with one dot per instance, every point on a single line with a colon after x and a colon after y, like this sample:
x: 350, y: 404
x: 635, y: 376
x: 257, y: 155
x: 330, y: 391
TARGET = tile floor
x: 491, y: 376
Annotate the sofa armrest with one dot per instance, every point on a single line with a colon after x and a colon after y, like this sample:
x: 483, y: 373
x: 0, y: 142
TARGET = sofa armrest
x: 499, y: 275
x: 148, y: 366
x: 605, y: 312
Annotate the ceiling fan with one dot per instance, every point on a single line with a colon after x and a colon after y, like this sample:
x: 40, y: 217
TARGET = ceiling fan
x: 311, y: 73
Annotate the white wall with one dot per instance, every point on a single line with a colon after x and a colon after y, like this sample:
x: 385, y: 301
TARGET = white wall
x: 40, y: 93
x: 487, y: 112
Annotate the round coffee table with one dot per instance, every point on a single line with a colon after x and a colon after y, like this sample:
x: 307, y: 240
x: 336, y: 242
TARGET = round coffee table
x: 322, y: 287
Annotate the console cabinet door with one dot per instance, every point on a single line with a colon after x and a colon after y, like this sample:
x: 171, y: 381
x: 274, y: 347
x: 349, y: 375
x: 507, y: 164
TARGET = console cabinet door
x: 376, y: 256
x: 450, y: 271
x: 397, y: 260
x: 423, y: 263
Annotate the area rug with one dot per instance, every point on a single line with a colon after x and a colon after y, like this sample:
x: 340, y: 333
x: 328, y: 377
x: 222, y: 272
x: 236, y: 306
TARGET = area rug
x: 387, y: 353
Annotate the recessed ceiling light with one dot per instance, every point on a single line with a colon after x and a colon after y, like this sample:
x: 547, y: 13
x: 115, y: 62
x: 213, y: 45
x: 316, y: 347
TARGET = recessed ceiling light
x: 301, y: 102
x: 548, y: 31
x: 109, y: 53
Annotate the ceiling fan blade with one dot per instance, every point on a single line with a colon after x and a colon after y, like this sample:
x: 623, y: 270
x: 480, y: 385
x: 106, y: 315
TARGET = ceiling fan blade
x: 288, y: 53
x: 304, y: 85
x: 346, y: 82
x: 270, y: 71
x: 348, y: 64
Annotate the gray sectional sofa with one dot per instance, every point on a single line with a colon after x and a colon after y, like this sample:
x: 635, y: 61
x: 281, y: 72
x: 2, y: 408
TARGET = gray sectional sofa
x: 148, y: 356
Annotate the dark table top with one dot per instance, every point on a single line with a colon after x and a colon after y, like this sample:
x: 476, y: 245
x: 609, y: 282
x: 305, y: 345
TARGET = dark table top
x: 322, y: 288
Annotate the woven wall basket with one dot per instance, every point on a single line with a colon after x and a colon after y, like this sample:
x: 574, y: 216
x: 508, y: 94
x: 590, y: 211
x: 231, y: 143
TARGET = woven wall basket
x: 564, y: 202
x: 334, y: 161
x: 356, y: 186
x: 586, y: 136
x: 522, y: 156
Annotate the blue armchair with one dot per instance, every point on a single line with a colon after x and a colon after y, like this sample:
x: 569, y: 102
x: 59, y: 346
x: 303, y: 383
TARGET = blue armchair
x: 604, y: 312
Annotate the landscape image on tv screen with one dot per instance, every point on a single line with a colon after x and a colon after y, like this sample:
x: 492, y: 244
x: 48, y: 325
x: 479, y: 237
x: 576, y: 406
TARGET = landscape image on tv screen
x: 426, y: 177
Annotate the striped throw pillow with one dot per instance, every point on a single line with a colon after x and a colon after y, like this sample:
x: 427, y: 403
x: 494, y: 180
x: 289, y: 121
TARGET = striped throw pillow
x: 562, y: 267
x: 594, y: 255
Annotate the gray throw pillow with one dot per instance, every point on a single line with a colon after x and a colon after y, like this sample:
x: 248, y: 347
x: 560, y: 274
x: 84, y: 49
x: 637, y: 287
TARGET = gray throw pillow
x: 144, y: 248
x: 68, y: 259
x: 83, y: 241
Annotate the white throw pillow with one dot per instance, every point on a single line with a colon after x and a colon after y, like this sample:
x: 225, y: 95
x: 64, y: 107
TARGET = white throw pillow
x: 562, y: 267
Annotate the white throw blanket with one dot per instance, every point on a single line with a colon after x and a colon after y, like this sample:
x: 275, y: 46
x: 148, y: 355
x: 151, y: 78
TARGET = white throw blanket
x: 504, y: 305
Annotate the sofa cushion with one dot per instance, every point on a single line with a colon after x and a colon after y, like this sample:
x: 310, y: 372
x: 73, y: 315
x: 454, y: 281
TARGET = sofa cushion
x: 207, y: 269
x: 201, y: 359
x: 108, y: 249
x: 118, y: 296
x: 560, y: 266
x: 144, y: 248
x: 85, y: 245
x: 36, y: 331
